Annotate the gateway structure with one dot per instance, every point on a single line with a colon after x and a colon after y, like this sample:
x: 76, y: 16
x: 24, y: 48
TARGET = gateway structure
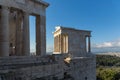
x: 14, y: 26
x: 72, y: 58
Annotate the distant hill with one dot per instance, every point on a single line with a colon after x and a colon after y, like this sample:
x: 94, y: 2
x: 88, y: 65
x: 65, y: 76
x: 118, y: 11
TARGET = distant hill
x: 108, y: 66
x: 117, y: 54
x: 107, y: 60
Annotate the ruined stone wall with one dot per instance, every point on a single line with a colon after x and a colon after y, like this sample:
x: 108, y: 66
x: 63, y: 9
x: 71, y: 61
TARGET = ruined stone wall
x: 83, y: 68
x: 77, y: 45
x: 47, y: 68
x: 30, y: 68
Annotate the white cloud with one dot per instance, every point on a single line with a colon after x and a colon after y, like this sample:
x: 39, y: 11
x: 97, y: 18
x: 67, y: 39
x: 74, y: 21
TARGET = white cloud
x: 105, y: 44
x: 109, y: 44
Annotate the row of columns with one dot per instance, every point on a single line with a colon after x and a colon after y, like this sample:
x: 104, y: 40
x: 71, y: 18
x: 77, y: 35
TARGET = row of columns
x: 4, y: 34
x: 61, y: 43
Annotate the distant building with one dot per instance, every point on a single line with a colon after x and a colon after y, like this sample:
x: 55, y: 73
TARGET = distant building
x: 75, y: 44
x: 73, y: 41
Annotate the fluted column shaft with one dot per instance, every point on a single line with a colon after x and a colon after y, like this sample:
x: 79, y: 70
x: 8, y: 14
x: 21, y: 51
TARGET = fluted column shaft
x: 4, y: 32
x: 26, y: 39
x: 40, y: 35
x: 18, y: 50
x: 55, y: 44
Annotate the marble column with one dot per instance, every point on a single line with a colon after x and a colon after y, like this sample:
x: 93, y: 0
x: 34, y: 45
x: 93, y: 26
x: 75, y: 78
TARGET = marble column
x: 60, y: 44
x: 57, y: 43
x: 4, y: 32
x: 18, y: 50
x: 55, y: 47
x: 26, y: 39
x: 89, y: 45
x: 40, y: 35
x: 66, y: 43
x: 54, y: 43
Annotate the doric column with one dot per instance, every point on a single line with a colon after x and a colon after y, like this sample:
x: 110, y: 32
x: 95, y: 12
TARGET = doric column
x: 89, y: 45
x: 40, y: 35
x: 26, y: 40
x: 18, y: 48
x: 4, y: 32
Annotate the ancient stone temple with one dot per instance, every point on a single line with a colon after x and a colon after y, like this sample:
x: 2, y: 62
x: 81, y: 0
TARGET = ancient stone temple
x: 72, y: 58
x: 76, y: 45
x: 70, y: 40
x: 14, y: 26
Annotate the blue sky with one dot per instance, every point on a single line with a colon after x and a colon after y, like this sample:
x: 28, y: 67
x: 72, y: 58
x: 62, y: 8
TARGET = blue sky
x: 102, y: 17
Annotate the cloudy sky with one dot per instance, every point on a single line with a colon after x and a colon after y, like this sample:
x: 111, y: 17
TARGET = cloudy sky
x: 110, y: 46
x: 102, y: 17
